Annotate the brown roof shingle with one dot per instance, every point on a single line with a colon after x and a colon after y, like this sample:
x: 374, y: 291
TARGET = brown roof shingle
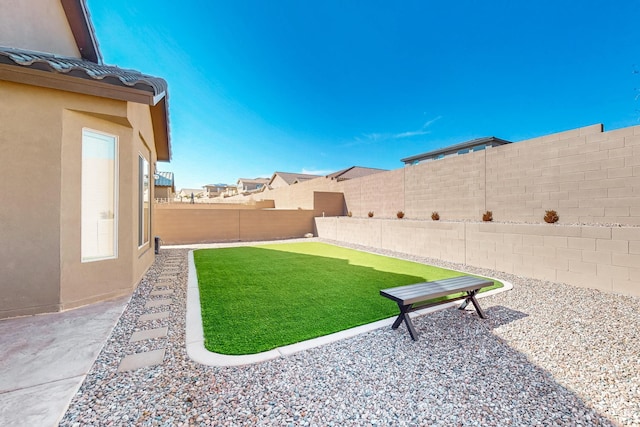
x: 83, y: 69
x: 354, y: 172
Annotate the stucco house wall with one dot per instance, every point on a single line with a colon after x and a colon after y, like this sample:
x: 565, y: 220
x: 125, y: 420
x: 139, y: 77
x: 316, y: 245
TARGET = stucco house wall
x: 163, y: 193
x: 43, y: 269
x: 278, y: 182
x: 44, y: 111
x: 30, y: 218
x: 47, y: 29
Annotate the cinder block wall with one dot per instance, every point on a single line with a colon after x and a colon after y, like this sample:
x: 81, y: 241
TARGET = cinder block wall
x: 296, y: 196
x: 586, y: 175
x: 606, y: 258
x: 328, y: 203
x: 598, y: 257
x: 382, y: 193
x: 454, y: 187
x: 185, y: 224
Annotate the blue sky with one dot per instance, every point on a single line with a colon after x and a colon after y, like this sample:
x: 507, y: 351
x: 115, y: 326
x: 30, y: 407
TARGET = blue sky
x: 298, y: 86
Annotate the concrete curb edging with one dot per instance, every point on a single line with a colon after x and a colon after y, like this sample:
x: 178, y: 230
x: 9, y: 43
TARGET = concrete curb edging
x: 195, y: 334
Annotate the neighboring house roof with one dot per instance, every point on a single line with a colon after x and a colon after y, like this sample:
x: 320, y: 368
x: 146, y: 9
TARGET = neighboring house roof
x: 164, y: 179
x: 189, y: 191
x: 354, y: 172
x: 254, y: 180
x: 292, y: 178
x: 489, y: 141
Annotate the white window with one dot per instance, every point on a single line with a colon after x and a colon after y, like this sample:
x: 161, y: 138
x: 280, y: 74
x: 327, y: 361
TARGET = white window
x: 144, y: 223
x: 99, y: 204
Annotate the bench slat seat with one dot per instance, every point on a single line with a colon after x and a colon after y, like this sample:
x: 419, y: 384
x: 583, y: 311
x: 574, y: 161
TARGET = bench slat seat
x: 409, y: 297
x: 411, y: 294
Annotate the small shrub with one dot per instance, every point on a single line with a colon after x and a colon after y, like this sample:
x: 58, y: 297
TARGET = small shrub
x: 435, y: 216
x: 487, y: 216
x: 370, y: 214
x: 551, y: 216
x: 349, y: 214
x: 400, y: 214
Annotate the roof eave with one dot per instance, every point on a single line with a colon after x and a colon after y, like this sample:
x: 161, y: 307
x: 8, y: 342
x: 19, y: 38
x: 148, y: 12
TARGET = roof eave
x: 82, y: 29
x: 160, y: 122
x: 456, y: 147
x: 158, y: 107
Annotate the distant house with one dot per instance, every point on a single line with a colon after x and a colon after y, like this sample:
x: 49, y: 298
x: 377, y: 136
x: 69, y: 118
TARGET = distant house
x: 164, y: 186
x: 216, y: 190
x: 90, y: 134
x: 245, y: 185
x: 454, y: 150
x: 185, y: 194
x: 284, y: 179
x: 354, y: 172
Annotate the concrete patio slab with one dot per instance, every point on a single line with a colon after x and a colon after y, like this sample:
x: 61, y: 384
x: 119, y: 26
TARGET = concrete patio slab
x: 141, y: 360
x: 41, y: 405
x: 45, y: 358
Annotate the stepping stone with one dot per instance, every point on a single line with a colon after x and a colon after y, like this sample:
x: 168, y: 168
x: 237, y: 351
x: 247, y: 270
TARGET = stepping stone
x: 154, y: 316
x: 158, y: 293
x: 162, y: 284
x: 166, y: 278
x: 141, y: 360
x: 158, y: 303
x: 149, y: 334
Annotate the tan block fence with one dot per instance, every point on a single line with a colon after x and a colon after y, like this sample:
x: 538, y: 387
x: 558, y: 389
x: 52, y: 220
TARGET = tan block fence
x: 205, y: 223
x: 598, y: 257
x: 587, y: 175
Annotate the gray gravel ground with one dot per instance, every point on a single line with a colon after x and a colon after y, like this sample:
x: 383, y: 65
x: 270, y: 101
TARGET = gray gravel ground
x: 548, y: 354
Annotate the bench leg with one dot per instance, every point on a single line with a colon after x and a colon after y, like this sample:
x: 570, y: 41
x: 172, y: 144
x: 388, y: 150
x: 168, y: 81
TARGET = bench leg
x: 412, y: 331
x: 403, y: 310
x: 404, y: 316
x: 472, y: 297
x: 397, y: 322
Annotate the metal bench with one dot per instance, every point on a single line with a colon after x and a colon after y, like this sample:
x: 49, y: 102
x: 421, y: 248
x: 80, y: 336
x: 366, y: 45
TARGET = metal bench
x: 415, y: 297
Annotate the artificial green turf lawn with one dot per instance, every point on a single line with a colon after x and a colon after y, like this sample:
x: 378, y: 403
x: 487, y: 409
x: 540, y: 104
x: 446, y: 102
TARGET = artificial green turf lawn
x: 257, y: 298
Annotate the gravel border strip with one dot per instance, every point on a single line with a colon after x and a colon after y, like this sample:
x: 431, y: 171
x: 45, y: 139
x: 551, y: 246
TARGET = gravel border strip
x: 549, y: 354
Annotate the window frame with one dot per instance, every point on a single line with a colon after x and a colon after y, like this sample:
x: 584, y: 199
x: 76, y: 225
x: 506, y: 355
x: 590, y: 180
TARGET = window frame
x: 142, y: 224
x: 89, y: 132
